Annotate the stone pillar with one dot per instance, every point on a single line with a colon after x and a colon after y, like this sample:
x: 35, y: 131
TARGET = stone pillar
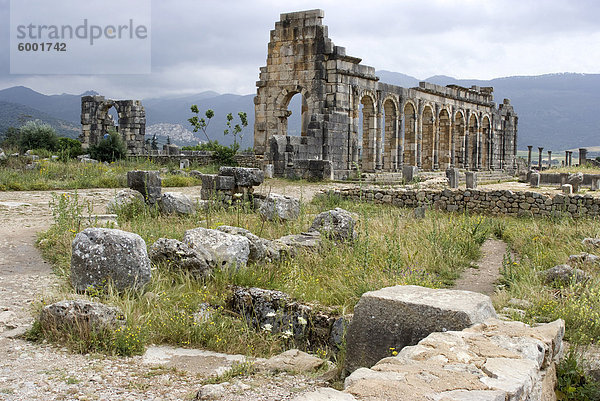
x: 453, y: 177
x: 595, y: 182
x: 529, y: 148
x: 466, y: 150
x: 409, y: 173
x: 419, y: 136
x: 549, y: 159
x: 436, y: 146
x: 471, y: 179
x: 540, y: 158
x: 582, y: 156
x: 401, y: 144
x: 378, y: 145
x: 479, y: 150
x: 570, y: 158
x: 566, y: 163
x: 534, y: 180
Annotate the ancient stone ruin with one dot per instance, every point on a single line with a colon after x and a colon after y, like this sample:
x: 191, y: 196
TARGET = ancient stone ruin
x: 430, y: 126
x: 97, y: 122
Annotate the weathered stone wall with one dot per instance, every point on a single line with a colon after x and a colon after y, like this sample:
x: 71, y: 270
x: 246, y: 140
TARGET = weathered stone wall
x: 492, y: 361
x: 96, y: 122
x: 561, y: 178
x: 430, y: 126
x: 496, y: 202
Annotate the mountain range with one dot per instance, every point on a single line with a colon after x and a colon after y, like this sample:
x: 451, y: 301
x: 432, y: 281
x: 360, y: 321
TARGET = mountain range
x: 557, y: 111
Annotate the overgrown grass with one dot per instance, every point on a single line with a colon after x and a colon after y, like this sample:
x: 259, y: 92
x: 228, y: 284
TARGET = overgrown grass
x: 392, y: 248
x: 16, y: 175
x: 585, y: 169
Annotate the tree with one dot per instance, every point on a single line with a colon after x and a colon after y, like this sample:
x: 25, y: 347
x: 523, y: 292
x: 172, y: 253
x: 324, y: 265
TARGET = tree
x: 154, y: 143
x: 37, y: 135
x: 69, y: 148
x: 11, y: 138
x: 237, y: 129
x: 109, y: 149
x: 201, y: 124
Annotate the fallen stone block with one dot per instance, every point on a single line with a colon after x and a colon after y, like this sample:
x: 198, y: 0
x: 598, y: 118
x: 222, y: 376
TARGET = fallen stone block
x: 276, y: 206
x: 198, y: 262
x: 176, y: 203
x: 292, y: 361
x: 226, y: 249
x: 124, y: 198
x: 80, y: 315
x: 103, y: 254
x: 564, y: 275
x: 337, y: 224
x: 396, y: 317
x: 244, y: 177
x: 148, y: 183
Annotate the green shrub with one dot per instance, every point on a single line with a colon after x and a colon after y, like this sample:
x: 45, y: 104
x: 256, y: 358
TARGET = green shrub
x: 111, y: 148
x: 572, y: 382
x: 37, y: 135
x: 224, y: 155
x: 69, y: 148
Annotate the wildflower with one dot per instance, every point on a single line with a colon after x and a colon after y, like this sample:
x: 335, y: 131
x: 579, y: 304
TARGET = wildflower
x: 287, y: 334
x: 267, y: 327
x: 271, y: 314
x: 302, y: 321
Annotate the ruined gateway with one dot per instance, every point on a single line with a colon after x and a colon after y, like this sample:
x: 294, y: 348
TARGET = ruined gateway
x: 96, y: 122
x: 430, y: 126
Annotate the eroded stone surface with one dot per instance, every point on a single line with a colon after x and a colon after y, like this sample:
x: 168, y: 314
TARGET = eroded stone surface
x: 80, y: 315
x: 226, y: 249
x: 337, y: 224
x: 177, y: 255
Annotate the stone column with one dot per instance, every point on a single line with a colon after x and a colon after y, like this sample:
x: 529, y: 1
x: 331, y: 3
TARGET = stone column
x: 471, y: 179
x: 549, y: 159
x: 401, y: 144
x: 466, y: 150
x: 529, y: 148
x: 436, y: 146
x: 419, y: 137
x: 570, y: 158
x: 540, y: 158
x: 378, y: 142
x: 582, y: 156
x: 566, y: 163
x: 479, y: 150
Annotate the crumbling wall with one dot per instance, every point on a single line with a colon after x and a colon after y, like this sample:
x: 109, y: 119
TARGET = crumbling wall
x: 97, y: 122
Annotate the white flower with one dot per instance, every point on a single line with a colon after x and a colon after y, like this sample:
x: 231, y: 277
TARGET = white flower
x: 267, y: 327
x: 287, y: 334
x: 271, y: 314
x: 302, y: 321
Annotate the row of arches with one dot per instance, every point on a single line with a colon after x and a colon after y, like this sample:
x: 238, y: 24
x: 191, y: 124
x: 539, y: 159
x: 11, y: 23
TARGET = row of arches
x: 430, y: 138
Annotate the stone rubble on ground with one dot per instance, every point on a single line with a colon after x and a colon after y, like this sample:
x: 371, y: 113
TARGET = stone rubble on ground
x: 124, y: 198
x: 278, y: 207
x: 177, y: 203
x: 564, y: 275
x: 178, y: 256
x: 337, y: 224
x: 148, y: 183
x: 292, y: 361
x: 226, y: 249
x: 80, y: 315
x: 101, y: 254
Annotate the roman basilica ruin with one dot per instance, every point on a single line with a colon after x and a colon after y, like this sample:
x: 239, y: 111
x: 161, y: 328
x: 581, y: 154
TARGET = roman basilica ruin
x: 353, y: 122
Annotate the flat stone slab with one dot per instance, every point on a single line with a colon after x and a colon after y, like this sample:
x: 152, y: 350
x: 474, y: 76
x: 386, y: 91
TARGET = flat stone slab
x: 204, y: 363
x: 392, y: 318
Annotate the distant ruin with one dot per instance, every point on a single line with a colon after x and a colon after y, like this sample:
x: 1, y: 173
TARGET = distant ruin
x: 97, y: 122
x: 430, y: 126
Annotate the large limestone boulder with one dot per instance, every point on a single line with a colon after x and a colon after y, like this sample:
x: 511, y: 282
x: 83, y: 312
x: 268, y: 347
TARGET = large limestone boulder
x: 394, y: 317
x: 281, y: 207
x: 177, y: 203
x: 80, y: 315
x: 304, y: 241
x: 337, y: 224
x: 148, y: 183
x: 124, y: 198
x: 103, y: 254
x: 292, y: 361
x: 198, y: 262
x: 259, y: 247
x: 226, y: 249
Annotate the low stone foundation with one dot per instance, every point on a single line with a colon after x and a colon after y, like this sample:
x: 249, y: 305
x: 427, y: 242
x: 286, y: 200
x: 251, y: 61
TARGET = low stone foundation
x: 496, y: 202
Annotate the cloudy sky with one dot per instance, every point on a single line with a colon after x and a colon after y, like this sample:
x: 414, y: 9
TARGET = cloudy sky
x: 200, y: 45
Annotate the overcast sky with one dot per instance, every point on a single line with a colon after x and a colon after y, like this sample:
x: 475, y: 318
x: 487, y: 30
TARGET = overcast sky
x: 200, y: 45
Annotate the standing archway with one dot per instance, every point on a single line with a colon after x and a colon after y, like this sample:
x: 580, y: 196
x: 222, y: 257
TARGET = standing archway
x: 485, y: 143
x: 445, y: 155
x: 428, y: 147
x: 390, y: 136
x: 366, y: 134
x: 472, y: 148
x: 458, y: 129
x: 410, y: 137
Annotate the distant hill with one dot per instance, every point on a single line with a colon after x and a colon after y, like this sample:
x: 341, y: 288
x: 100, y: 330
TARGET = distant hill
x: 557, y: 111
x: 14, y: 115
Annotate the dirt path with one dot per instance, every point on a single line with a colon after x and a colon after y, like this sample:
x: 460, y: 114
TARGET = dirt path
x: 483, y: 278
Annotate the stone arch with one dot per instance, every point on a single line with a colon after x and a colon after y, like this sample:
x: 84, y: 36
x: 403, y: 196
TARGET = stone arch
x: 409, y: 111
x: 282, y: 102
x: 445, y: 129
x: 458, y: 133
x: 486, y: 129
x: 390, y: 128
x: 368, y: 131
x: 428, y: 137
x: 473, y: 141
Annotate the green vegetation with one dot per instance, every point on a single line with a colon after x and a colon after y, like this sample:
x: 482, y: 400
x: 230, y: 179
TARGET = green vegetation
x: 37, y: 135
x: 573, y: 383
x: 15, y: 175
x: 109, y: 149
